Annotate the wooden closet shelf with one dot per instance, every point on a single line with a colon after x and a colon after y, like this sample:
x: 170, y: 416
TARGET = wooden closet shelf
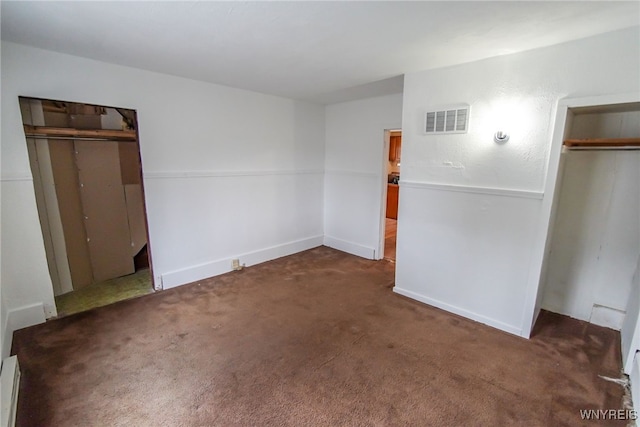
x: 603, y: 142
x: 44, y: 131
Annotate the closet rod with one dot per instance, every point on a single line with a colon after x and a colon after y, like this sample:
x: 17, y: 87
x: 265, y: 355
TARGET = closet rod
x: 613, y: 148
x: 78, y: 138
x: 107, y: 134
x: 602, y: 142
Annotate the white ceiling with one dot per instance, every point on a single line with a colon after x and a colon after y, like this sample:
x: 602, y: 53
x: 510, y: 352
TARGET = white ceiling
x: 318, y: 51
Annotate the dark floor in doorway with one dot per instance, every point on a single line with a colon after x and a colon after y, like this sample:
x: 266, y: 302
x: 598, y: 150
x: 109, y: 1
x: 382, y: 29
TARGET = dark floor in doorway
x: 105, y: 293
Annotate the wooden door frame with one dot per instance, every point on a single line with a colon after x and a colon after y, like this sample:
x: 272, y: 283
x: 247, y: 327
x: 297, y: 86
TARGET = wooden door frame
x: 154, y: 284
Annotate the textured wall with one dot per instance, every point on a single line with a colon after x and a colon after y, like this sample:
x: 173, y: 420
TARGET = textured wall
x: 517, y: 93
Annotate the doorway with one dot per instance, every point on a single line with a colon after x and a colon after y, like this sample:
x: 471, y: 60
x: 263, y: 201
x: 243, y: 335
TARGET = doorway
x: 391, y: 192
x: 593, y: 239
x: 87, y: 176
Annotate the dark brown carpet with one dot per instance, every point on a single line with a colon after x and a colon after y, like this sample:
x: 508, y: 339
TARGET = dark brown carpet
x: 314, y: 339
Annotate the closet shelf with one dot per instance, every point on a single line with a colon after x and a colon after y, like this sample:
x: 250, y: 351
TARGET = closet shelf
x: 603, y: 142
x: 46, y: 131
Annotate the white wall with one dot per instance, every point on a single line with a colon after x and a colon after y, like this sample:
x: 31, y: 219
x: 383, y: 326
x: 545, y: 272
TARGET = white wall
x: 630, y: 332
x: 596, y: 240
x: 606, y: 124
x: 228, y: 173
x: 493, y: 192
x: 634, y: 378
x: 3, y: 308
x: 3, y: 326
x: 354, y: 175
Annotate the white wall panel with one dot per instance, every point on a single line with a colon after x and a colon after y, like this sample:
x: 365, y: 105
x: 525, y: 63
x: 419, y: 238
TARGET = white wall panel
x: 474, y: 250
x: 354, y: 180
x: 515, y: 93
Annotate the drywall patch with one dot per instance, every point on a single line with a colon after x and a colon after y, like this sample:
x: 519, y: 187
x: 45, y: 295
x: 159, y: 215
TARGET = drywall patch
x: 454, y: 165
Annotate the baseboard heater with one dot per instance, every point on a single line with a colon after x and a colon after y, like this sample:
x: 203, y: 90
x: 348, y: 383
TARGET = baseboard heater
x: 9, y: 383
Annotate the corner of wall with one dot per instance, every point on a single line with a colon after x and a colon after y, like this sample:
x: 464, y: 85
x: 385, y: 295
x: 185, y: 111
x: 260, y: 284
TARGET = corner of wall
x: 350, y: 247
x: 7, y: 340
x: 214, y: 268
x: 18, y: 318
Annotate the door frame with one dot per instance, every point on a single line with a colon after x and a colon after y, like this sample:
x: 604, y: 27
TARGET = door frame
x: 383, y: 188
x: 561, y: 126
x: 156, y: 286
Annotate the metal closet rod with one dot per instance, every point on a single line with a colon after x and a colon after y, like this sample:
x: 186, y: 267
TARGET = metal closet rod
x: 79, y: 138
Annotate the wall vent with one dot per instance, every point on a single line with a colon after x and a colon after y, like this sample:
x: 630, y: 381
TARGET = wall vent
x: 451, y: 119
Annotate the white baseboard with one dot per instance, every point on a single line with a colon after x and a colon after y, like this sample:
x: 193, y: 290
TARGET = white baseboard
x: 607, y: 317
x: 349, y: 247
x: 18, y: 318
x: 460, y: 311
x: 215, y: 268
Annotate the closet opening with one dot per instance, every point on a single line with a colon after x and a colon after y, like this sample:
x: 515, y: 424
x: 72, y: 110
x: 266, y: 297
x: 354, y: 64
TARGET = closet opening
x: 87, y: 177
x: 592, y: 257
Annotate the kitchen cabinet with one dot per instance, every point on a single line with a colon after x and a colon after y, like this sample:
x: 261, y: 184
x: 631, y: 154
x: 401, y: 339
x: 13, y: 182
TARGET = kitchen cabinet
x: 395, y: 143
x: 392, y: 201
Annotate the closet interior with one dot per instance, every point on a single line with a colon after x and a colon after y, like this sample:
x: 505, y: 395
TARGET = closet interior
x: 85, y: 161
x: 594, y: 247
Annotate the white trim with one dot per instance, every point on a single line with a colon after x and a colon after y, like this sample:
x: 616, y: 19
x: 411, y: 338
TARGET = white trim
x: 634, y: 378
x: 476, y: 190
x: 9, y: 177
x: 384, y: 187
x: 7, y: 338
x: 607, y: 317
x: 634, y: 347
x: 601, y: 100
x: 18, y: 318
x: 350, y: 247
x: 214, y: 268
x: 223, y: 174
x: 459, y: 311
x: 558, y: 124
x: 352, y: 173
x: 10, y: 386
x: 25, y: 316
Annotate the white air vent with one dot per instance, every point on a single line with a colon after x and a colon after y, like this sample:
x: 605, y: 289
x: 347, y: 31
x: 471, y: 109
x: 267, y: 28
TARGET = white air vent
x: 452, y: 119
